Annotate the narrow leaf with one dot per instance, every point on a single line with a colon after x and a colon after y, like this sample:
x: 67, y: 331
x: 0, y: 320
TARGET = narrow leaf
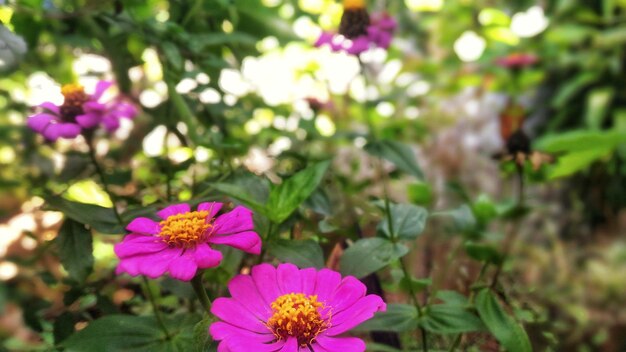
x: 75, y: 246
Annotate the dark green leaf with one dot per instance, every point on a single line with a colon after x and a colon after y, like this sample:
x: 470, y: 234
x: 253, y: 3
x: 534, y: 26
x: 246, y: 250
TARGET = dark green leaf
x: 398, y: 153
x: 172, y: 54
x: 397, y: 318
x: 304, y: 254
x: 450, y: 319
x: 241, y: 194
x: 506, y: 330
x: 369, y: 255
x: 482, y: 252
x: 75, y: 246
x: 133, y: 334
x: 415, y: 285
x: 408, y: 221
x: 285, y: 198
x: 420, y: 193
x: 452, y: 298
x: 101, y: 219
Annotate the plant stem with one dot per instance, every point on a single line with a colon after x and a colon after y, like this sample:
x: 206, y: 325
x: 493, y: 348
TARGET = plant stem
x: 155, y: 308
x: 103, y: 179
x: 270, y: 228
x: 198, y: 288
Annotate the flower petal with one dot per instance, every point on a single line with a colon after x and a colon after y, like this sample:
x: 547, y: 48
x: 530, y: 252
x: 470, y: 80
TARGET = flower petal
x: 206, y: 257
x: 360, y: 311
x: 183, y: 268
x: 144, y: 225
x: 101, y: 87
x: 173, y: 210
x: 39, y: 122
x: 244, y: 291
x: 152, y: 265
x: 247, y: 241
x: 291, y: 345
x: 309, y: 276
x: 349, y: 291
x: 288, y: 278
x: 57, y: 130
x: 51, y: 107
x: 264, y: 276
x: 212, y: 207
x: 237, y: 220
x: 326, y: 284
x: 335, y: 344
x: 232, y: 312
x: 222, y: 331
x: 111, y: 123
x: 88, y: 120
x: 136, y: 244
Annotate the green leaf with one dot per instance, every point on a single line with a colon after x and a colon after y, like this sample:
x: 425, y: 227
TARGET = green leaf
x: 420, y: 193
x: 304, y: 254
x: 506, y: 330
x: 172, y: 54
x: 368, y: 255
x: 452, y: 298
x: 241, y: 194
x: 450, y: 319
x: 101, y: 219
x: 285, y: 198
x: 570, y: 88
x: 75, y: 246
x: 581, y: 140
x: 598, y: 102
x: 415, y: 285
x: 398, y: 153
x: 397, y: 318
x: 407, y: 220
x: 482, y: 252
x: 484, y: 209
x: 575, y: 162
x: 133, y: 334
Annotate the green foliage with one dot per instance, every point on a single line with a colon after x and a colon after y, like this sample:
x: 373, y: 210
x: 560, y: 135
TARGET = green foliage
x: 75, y: 246
x: 407, y: 222
x: 508, y: 332
x: 368, y: 255
x: 450, y: 319
x: 99, y: 218
x: 398, y: 153
x: 304, y: 254
x: 397, y: 318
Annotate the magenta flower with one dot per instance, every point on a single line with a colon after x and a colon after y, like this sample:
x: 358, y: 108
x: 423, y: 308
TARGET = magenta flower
x: 289, y: 310
x: 181, y: 242
x: 80, y: 111
x: 378, y: 33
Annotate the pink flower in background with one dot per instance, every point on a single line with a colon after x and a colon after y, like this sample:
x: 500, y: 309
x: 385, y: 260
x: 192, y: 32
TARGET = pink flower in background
x: 181, y: 242
x: 378, y: 33
x: 289, y: 310
x: 80, y: 111
x: 517, y: 60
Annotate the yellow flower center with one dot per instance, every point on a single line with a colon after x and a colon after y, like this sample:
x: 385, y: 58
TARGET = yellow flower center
x: 297, y: 315
x: 353, y: 4
x: 185, y: 230
x: 75, y: 97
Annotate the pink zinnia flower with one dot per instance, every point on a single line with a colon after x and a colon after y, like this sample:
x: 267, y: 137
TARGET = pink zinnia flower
x: 289, y: 310
x: 517, y: 60
x: 181, y: 242
x: 80, y: 111
x: 378, y: 34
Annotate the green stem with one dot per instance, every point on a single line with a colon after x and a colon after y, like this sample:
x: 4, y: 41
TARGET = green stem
x: 268, y: 235
x: 103, y: 179
x: 198, y: 288
x: 155, y: 308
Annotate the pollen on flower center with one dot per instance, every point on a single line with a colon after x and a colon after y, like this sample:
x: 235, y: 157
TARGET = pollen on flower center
x: 185, y: 230
x: 297, y: 315
x: 75, y: 97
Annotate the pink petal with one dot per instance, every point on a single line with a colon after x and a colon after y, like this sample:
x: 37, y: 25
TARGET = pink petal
x: 334, y: 344
x: 206, y: 257
x: 58, y: 130
x: 88, y: 120
x: 152, y: 265
x: 183, y: 268
x: 212, y: 207
x: 144, y: 225
x: 52, y: 107
x: 237, y: 220
x: 349, y: 291
x: 173, y: 210
x: 291, y: 345
x: 94, y: 107
x: 309, y: 277
x: 233, y: 313
x: 264, y: 276
x: 39, y: 122
x: 135, y: 244
x: 246, y: 241
x: 238, y: 344
x: 111, y: 123
x: 222, y: 331
x: 360, y: 311
x: 101, y: 87
x: 288, y: 278
x: 327, y: 282
x: 244, y: 291
x: 223, y: 347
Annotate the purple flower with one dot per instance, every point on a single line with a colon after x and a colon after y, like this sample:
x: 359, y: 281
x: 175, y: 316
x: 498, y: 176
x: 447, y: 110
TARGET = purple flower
x: 80, y: 111
x: 181, y: 242
x: 379, y: 33
x: 289, y: 310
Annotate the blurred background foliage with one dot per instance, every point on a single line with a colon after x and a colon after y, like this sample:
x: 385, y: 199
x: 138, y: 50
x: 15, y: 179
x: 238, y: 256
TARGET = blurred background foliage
x: 235, y: 99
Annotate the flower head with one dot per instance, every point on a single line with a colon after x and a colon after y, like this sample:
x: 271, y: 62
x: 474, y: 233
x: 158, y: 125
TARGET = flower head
x: 356, y: 34
x: 79, y: 112
x: 289, y: 309
x: 517, y: 60
x: 180, y: 243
